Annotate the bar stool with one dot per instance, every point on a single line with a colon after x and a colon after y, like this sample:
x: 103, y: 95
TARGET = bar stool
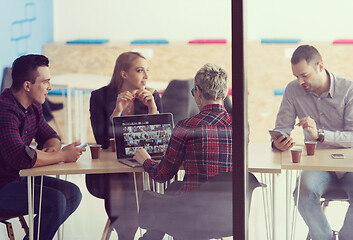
x: 6, y: 215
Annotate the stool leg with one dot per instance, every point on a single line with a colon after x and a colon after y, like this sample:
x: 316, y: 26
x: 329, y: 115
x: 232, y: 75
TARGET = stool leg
x: 23, y: 224
x: 9, y: 230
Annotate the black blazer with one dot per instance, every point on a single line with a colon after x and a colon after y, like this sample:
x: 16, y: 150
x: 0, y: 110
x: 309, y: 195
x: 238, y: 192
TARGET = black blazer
x: 102, y: 104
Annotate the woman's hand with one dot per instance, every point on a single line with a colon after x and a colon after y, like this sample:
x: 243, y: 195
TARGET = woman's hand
x: 146, y: 97
x: 122, y: 101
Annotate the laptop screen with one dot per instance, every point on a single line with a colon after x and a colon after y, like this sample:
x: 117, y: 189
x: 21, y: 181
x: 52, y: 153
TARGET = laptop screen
x: 149, y: 131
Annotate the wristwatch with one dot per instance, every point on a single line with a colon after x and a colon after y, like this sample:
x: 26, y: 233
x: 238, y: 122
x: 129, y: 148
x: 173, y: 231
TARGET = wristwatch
x: 321, y: 137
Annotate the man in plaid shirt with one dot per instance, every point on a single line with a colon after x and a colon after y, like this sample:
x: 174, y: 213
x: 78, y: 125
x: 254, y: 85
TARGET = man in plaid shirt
x: 202, y: 144
x: 21, y: 121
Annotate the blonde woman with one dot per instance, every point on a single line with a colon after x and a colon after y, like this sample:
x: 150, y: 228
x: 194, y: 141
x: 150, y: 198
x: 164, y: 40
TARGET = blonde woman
x: 126, y: 94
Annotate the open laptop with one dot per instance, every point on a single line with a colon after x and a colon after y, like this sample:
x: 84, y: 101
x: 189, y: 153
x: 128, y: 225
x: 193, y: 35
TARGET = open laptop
x: 149, y: 131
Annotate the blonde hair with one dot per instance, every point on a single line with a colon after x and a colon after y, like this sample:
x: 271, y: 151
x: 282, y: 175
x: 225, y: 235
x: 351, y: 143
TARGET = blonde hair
x: 123, y: 63
x: 212, y: 81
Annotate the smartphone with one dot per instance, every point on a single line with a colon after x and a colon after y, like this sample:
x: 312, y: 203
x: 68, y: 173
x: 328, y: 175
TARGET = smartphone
x: 337, y: 155
x: 83, y: 145
x: 277, y: 134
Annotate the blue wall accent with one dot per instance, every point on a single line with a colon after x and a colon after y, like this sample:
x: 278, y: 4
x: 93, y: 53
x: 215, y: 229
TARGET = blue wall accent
x: 25, y: 25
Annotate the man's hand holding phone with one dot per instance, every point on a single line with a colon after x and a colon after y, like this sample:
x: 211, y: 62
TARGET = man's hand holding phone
x: 280, y: 141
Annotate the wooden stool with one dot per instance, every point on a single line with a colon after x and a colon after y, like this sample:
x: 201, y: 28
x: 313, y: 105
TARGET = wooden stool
x: 6, y: 215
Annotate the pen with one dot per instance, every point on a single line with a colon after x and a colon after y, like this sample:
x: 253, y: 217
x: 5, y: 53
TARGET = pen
x: 299, y: 122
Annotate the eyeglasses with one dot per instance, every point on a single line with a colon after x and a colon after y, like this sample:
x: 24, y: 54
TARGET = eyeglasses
x: 193, y: 91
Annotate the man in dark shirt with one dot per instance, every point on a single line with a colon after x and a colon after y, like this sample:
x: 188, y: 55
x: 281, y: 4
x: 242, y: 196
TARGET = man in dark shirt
x: 21, y: 121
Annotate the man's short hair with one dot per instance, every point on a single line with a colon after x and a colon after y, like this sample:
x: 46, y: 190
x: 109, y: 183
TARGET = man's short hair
x: 25, y: 68
x: 212, y: 81
x: 308, y: 53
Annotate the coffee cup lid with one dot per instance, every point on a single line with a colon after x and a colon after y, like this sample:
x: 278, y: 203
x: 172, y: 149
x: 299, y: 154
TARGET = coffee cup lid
x: 95, y: 145
x: 296, y: 148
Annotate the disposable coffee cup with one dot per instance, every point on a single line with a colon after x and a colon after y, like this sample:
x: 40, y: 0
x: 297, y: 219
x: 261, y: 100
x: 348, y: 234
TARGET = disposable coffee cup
x: 296, y: 154
x: 112, y: 144
x: 95, y: 150
x: 310, y: 148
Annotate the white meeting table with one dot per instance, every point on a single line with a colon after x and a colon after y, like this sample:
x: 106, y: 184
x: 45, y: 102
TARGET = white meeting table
x: 262, y: 159
x: 107, y: 163
x: 321, y: 161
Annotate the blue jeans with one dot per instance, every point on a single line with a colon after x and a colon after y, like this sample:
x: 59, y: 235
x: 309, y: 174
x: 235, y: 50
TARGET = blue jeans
x: 60, y: 199
x: 313, y: 185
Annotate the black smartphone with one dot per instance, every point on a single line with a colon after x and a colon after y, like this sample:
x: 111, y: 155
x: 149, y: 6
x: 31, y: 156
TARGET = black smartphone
x: 337, y: 155
x: 277, y: 134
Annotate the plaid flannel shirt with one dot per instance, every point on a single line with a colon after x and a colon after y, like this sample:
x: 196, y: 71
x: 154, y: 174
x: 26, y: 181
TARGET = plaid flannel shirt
x: 18, y: 127
x: 202, y: 144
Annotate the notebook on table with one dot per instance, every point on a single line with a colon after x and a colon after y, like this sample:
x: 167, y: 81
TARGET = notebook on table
x: 149, y: 131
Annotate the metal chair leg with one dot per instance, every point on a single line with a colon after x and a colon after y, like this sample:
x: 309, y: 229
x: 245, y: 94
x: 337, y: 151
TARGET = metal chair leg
x: 107, y: 230
x: 308, y: 237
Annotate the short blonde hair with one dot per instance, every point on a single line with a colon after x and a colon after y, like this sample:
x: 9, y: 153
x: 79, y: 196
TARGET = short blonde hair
x: 212, y: 81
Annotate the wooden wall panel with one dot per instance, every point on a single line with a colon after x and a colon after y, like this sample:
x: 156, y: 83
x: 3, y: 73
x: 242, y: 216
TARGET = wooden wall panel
x: 268, y: 67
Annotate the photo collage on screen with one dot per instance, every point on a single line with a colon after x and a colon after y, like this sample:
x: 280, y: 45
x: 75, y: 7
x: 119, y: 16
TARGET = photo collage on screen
x: 153, y: 138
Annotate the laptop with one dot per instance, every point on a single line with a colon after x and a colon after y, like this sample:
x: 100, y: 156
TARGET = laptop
x: 149, y: 131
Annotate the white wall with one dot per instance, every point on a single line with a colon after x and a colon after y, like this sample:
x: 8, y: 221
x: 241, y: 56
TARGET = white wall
x: 310, y: 20
x: 126, y: 20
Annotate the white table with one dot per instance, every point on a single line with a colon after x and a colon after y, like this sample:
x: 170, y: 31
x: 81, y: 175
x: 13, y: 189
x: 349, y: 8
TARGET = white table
x: 262, y: 159
x: 321, y: 161
x: 107, y: 163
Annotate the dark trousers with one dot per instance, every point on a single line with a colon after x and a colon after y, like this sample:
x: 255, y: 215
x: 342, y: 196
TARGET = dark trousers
x: 59, y: 200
